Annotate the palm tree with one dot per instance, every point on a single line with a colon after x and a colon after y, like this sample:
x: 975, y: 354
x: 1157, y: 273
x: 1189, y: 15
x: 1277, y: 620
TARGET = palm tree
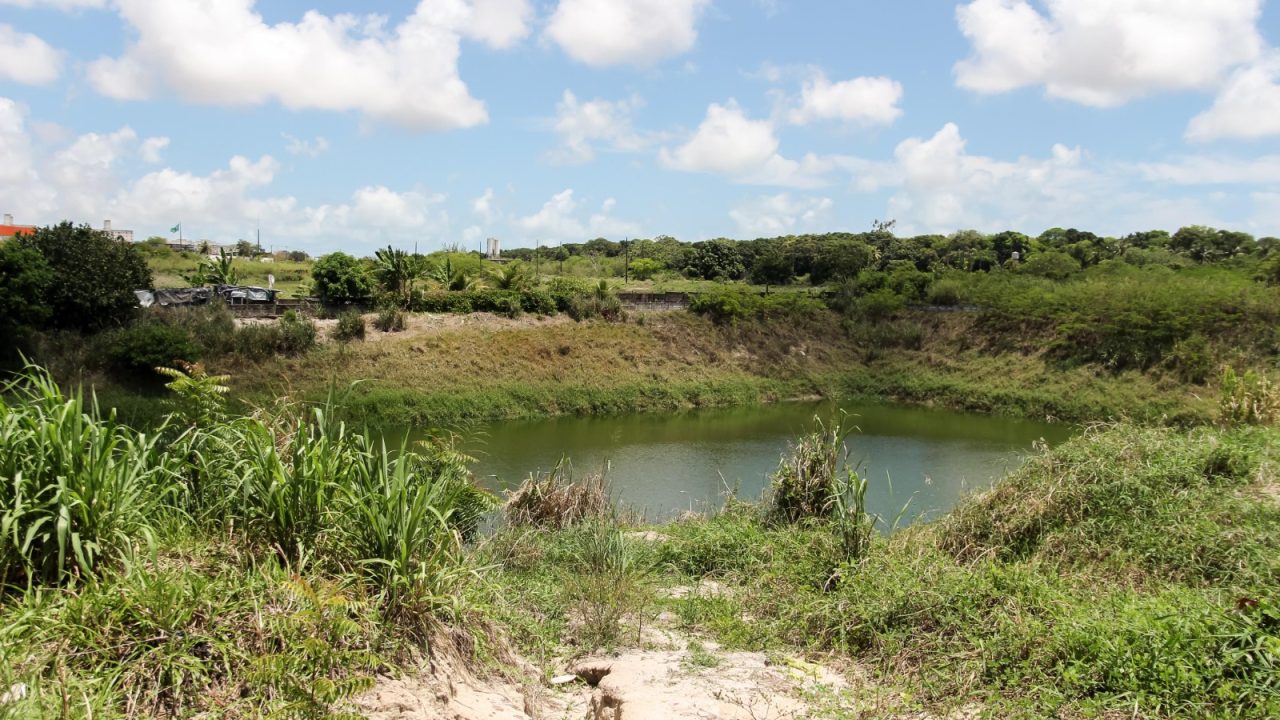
x: 449, y: 277
x: 396, y: 271
x: 221, y: 271
x: 512, y: 276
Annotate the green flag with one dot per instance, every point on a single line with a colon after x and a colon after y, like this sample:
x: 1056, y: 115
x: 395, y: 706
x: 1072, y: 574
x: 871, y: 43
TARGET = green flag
x: 175, y: 228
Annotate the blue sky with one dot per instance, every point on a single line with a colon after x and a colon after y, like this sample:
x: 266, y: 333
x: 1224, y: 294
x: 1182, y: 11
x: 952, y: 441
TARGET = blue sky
x: 337, y: 124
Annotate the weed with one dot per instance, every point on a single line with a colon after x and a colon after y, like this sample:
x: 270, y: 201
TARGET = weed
x: 555, y: 499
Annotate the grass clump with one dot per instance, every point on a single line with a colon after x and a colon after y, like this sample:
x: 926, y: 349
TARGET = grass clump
x: 554, y: 499
x: 390, y: 319
x: 1249, y: 399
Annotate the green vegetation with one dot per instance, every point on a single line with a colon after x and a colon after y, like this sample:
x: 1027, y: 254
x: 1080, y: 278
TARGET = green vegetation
x: 238, y: 565
x: 1131, y: 571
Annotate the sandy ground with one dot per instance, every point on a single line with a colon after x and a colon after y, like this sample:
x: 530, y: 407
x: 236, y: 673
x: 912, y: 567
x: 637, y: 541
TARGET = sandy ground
x: 670, y: 676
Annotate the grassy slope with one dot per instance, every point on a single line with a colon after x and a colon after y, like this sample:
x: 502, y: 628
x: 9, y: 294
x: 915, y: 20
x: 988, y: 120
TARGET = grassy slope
x: 675, y: 360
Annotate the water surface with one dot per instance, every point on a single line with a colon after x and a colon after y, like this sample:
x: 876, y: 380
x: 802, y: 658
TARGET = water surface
x: 663, y: 464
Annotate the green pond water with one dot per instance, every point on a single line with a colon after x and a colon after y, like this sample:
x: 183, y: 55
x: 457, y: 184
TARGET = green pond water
x: 663, y: 464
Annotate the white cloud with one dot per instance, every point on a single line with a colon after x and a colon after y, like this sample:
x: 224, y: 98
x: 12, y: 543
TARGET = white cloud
x: 1206, y: 170
x: 483, y: 206
x: 727, y: 142
x: 310, y: 148
x: 559, y: 220
x: 581, y: 125
x: 1247, y: 107
x: 151, y: 149
x: 407, y: 75
x: 942, y: 187
x: 499, y: 23
x: 861, y: 100
x: 625, y: 32
x: 1106, y: 52
x: 86, y: 181
x: 781, y: 214
x: 26, y: 59
x: 56, y: 4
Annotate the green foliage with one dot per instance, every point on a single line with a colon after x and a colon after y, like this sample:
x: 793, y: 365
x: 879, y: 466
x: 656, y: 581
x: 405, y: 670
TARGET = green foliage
x: 645, y: 268
x: 25, y: 278
x: 841, y: 259
x: 143, y: 346
x: 606, y: 583
x: 338, y: 277
x: 314, y: 678
x: 199, y: 399
x: 77, y: 489
x: 728, y: 304
x: 946, y: 292
x: 715, y: 260
x: 216, y: 272
x: 880, y: 305
x: 94, y: 276
x: 350, y: 327
x: 1052, y: 265
x: 807, y: 484
x: 1192, y: 359
x: 510, y: 276
x: 1248, y: 399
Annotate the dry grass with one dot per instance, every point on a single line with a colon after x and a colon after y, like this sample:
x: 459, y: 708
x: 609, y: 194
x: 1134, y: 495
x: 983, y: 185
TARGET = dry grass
x: 556, y: 500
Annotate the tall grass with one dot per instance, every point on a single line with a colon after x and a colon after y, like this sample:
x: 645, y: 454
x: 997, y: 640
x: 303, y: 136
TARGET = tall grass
x: 554, y: 499
x: 78, y: 489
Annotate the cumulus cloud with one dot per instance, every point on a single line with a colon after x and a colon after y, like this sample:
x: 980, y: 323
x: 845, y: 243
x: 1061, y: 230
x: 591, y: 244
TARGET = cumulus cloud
x: 560, y: 219
x: 941, y: 187
x: 1247, y: 107
x: 727, y: 142
x: 88, y: 179
x: 781, y: 214
x: 1105, y: 52
x: 151, y: 149
x: 310, y: 148
x: 584, y: 125
x: 625, y: 32
x: 861, y: 100
x: 26, y: 59
x: 407, y: 75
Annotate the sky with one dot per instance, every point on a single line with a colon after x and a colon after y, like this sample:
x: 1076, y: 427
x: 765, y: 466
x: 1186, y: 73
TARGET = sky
x: 337, y: 124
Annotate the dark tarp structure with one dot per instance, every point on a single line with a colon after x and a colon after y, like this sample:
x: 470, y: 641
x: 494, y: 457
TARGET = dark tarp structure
x: 168, y: 297
x: 241, y: 295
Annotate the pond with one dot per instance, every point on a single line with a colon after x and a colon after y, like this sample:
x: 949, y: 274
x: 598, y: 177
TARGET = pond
x: 665, y: 464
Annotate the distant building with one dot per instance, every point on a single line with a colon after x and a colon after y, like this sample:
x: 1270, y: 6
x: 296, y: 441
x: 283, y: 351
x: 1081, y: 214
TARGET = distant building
x: 124, y: 235
x: 8, y: 229
x: 494, y: 249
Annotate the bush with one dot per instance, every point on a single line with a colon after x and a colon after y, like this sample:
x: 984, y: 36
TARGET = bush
x: 144, y: 346
x: 338, y: 277
x: 290, y: 335
x: 555, y: 500
x: 350, y: 327
x: 211, y: 326
x: 390, y: 319
x: 1249, y: 399
x: 881, y: 304
x: 945, y: 292
x: 1191, y: 359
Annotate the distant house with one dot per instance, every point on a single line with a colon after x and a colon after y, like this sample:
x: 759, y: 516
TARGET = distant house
x: 122, y: 235
x: 8, y: 229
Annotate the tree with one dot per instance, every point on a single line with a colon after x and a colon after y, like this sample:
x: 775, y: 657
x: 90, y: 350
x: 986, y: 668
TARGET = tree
x: 244, y: 248
x: 25, y: 277
x: 221, y: 271
x: 338, y: 277
x: 645, y: 268
x: 716, y: 260
x: 841, y: 258
x: 772, y: 267
x: 1055, y: 265
x: 396, y: 271
x: 94, y: 276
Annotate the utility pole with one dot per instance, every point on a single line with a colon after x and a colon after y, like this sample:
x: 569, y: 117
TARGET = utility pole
x: 626, y: 263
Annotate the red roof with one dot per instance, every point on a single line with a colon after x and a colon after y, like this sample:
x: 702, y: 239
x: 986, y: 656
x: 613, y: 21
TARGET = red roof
x: 11, y: 230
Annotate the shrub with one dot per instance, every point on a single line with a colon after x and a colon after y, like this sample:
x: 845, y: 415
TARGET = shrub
x: 945, y: 292
x: 211, y: 326
x: 805, y: 484
x: 338, y: 277
x: 350, y: 327
x: 144, y: 346
x: 390, y: 319
x: 1192, y: 359
x: 881, y: 304
x: 290, y: 335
